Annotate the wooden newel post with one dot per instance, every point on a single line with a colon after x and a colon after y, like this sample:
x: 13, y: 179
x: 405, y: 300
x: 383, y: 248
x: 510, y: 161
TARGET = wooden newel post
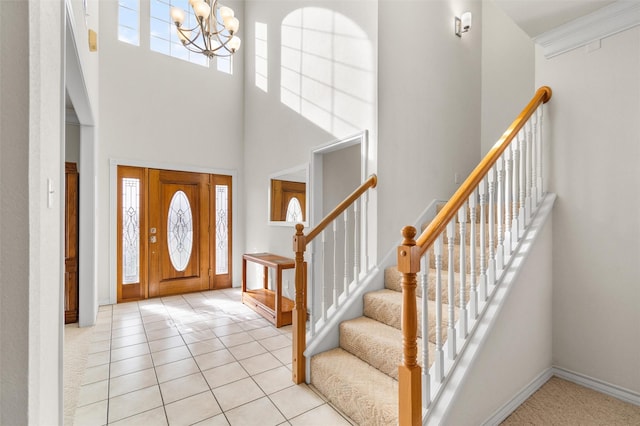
x: 300, y: 308
x: 409, y: 372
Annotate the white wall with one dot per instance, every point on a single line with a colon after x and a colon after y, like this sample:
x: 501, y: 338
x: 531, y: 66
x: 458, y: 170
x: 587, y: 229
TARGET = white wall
x: 429, y: 107
x: 518, y: 348
x: 508, y: 72
x: 30, y: 245
x: 167, y: 113
x: 276, y: 136
x: 594, y: 170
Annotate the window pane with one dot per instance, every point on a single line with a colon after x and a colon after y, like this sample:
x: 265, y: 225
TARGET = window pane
x: 160, y: 10
x: 128, y: 18
x: 222, y: 226
x: 159, y: 45
x: 128, y: 35
x: 225, y: 64
x: 179, y: 231
x: 294, y: 211
x: 160, y: 29
x: 130, y: 231
x: 129, y: 21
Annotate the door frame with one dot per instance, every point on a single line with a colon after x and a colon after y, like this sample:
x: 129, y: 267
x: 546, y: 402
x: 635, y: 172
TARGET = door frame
x: 113, y: 212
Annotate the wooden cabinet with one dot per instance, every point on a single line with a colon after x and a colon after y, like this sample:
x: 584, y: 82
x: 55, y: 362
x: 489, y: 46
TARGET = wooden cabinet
x: 268, y: 302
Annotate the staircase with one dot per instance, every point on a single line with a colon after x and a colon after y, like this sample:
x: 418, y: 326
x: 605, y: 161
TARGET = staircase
x: 361, y: 376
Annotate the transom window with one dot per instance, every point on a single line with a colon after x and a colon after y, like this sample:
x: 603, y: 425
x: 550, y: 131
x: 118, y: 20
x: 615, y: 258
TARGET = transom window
x: 129, y: 21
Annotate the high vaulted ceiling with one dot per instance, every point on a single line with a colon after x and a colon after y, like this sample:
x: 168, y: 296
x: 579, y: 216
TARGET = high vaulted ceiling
x: 539, y: 16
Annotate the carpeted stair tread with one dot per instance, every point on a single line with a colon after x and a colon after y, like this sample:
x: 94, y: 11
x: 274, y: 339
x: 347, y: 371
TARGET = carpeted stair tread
x: 385, y: 306
x: 362, y: 392
x: 377, y: 344
x: 393, y: 281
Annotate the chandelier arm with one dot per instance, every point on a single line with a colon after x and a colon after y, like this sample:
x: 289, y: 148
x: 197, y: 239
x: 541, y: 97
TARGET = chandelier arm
x: 190, y: 44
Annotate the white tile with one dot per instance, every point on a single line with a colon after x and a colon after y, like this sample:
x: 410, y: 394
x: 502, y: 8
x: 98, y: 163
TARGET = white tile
x: 98, y: 336
x: 192, y: 409
x: 174, y: 370
x: 259, y: 363
x: 170, y: 355
x: 236, y: 339
x: 296, y: 400
x: 155, y: 417
x: 237, y: 393
x: 159, y: 325
x: 129, y: 352
x: 276, y: 342
x: 96, y: 374
x: 130, y: 365
x: 127, y: 331
x: 284, y: 355
x: 98, y: 358
x: 227, y: 329
x: 133, y: 339
x: 133, y: 403
x: 261, y: 412
x: 126, y: 322
x: 177, y: 389
x: 255, y: 324
x: 92, y: 414
x: 214, y: 359
x: 247, y: 350
x: 274, y: 380
x: 320, y: 416
x: 205, y: 346
x: 101, y: 346
x: 198, y: 336
x: 161, y: 333
x: 224, y: 374
x: 168, y: 343
x: 93, y: 392
x: 264, y: 332
x: 132, y: 382
x: 219, y: 420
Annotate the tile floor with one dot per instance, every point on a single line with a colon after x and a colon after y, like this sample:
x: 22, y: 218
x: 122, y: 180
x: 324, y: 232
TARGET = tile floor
x: 200, y: 358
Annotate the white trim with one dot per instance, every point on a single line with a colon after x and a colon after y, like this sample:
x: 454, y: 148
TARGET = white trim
x: 609, y: 20
x: 519, y: 398
x: 113, y: 188
x: 612, y: 390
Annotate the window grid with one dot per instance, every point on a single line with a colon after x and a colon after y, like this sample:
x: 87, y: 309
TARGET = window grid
x: 129, y: 21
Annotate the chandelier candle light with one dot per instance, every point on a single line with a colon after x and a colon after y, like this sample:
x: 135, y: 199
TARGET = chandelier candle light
x: 214, y: 33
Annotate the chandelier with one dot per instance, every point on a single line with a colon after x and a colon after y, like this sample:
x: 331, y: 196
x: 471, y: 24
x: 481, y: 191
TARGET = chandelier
x: 213, y: 34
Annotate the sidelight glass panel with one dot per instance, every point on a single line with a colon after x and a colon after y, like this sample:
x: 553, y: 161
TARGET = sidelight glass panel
x: 130, y: 230
x: 222, y: 228
x: 180, y: 231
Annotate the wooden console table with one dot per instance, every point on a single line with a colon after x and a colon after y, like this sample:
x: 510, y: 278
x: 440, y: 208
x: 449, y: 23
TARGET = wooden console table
x: 268, y: 303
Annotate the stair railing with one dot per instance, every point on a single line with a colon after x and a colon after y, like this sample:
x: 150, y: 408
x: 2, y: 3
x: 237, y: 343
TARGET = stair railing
x: 330, y: 287
x: 498, y: 197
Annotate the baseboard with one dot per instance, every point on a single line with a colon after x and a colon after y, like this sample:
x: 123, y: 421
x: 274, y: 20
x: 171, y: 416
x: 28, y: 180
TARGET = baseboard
x: 519, y: 398
x: 614, y: 391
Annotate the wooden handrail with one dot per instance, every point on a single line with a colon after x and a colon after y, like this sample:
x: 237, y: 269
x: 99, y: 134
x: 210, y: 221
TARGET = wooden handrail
x: 439, y: 223
x: 371, y: 182
x: 300, y: 242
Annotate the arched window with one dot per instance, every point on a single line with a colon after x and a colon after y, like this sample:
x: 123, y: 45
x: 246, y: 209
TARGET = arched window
x: 294, y: 211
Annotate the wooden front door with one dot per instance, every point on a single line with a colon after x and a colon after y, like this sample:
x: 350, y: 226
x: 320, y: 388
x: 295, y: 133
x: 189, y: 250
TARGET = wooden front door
x: 179, y: 259
x: 71, y: 244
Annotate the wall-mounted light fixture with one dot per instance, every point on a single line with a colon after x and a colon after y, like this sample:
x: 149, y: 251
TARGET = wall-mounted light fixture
x: 463, y: 24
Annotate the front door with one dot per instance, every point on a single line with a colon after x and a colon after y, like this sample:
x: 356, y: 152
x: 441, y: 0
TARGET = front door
x: 183, y: 241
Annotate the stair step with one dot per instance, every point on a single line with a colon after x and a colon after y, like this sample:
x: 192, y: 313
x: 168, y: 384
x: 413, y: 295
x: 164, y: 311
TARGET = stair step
x: 362, y: 392
x: 377, y: 344
x: 386, y: 305
x: 393, y: 281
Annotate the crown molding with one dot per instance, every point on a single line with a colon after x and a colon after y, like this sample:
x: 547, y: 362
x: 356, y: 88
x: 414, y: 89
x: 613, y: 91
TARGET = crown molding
x: 609, y: 20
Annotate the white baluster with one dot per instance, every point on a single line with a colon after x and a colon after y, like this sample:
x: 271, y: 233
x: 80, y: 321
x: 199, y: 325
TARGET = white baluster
x: 483, y: 245
x: 473, y: 294
x: 335, y: 263
x: 540, y: 162
x: 346, y: 254
x: 499, y: 215
x: 491, y: 267
x: 424, y: 286
x: 534, y: 160
x: 522, y: 140
x: 507, y: 203
x: 439, y: 353
x: 451, y: 331
x: 356, y: 243
x: 515, y: 227
x: 323, y: 277
x: 528, y: 185
x: 462, y: 310
x: 365, y: 231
